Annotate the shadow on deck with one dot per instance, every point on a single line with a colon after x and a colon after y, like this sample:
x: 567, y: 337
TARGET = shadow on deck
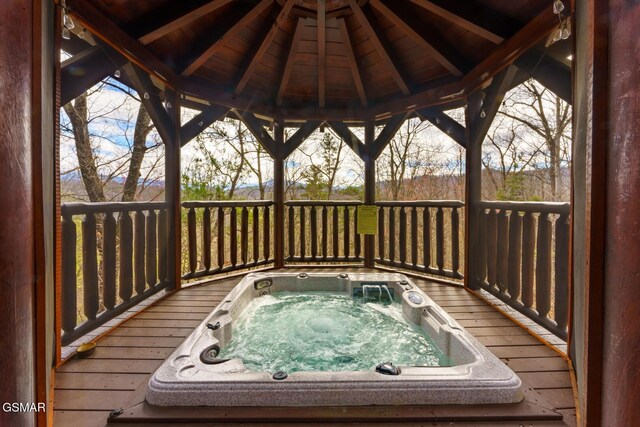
x: 87, y: 390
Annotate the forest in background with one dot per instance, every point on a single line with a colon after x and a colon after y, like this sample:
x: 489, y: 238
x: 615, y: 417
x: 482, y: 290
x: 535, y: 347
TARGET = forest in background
x: 111, y: 152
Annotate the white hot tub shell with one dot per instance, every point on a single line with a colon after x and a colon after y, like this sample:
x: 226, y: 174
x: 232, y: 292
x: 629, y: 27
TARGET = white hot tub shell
x: 476, y: 377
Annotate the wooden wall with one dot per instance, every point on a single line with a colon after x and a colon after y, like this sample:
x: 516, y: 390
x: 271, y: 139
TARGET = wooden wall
x: 606, y: 213
x: 621, y: 331
x: 25, y: 270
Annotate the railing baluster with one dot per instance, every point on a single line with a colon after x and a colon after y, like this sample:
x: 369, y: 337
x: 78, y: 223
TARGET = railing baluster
x: 69, y: 278
x: 303, y: 232
x: 515, y: 254
x: 481, y: 262
x: 90, y: 266
x: 524, y: 259
x: 221, y: 232
x: 455, y: 241
x: 126, y: 256
x: 151, y: 249
x: 109, y: 261
x: 191, y: 230
x: 115, y: 257
x: 561, y: 307
x: 314, y: 232
x: 492, y: 247
x: 292, y: 236
x: 392, y: 234
x: 266, y: 224
x: 528, y: 250
x: 244, y: 235
x: 255, y: 217
x: 162, y: 243
x: 334, y: 231
x: 440, y: 238
x: 502, y: 250
x: 543, y: 266
x: 356, y: 236
x: 403, y: 235
x: 414, y: 236
x: 325, y: 225
x: 381, y: 232
x: 206, y: 238
x: 233, y: 237
x: 347, y: 232
x: 139, y: 252
x: 426, y: 237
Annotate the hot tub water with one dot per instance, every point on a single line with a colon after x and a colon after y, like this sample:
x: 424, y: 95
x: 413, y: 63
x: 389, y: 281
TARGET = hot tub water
x: 322, y: 331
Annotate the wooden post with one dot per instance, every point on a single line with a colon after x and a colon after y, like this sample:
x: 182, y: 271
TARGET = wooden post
x: 172, y: 196
x: 473, y: 176
x: 369, y: 190
x: 27, y: 195
x: 606, y: 193
x: 479, y: 114
x: 278, y: 194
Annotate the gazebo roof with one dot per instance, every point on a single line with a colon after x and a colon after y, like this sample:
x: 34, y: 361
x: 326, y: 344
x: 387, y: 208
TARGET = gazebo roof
x: 332, y: 59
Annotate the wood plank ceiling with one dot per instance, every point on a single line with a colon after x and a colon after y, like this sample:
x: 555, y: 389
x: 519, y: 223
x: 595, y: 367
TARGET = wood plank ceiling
x: 324, y: 58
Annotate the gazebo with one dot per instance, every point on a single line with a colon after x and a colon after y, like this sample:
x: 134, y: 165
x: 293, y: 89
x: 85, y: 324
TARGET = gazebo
x: 550, y: 288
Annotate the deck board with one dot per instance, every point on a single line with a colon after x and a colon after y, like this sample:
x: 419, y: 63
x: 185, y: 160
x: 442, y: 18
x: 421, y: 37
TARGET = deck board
x: 86, y: 390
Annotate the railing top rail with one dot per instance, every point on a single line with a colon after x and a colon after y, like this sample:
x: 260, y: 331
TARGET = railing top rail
x: 323, y: 203
x: 226, y: 203
x: 423, y: 203
x: 536, y: 207
x: 80, y: 208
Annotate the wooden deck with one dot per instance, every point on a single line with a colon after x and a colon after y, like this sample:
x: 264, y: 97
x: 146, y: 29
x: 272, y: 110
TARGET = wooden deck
x: 87, y: 390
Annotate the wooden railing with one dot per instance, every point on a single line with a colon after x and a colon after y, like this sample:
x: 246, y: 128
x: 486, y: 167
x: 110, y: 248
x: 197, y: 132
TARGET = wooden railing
x: 123, y: 260
x: 522, y: 258
x: 423, y: 236
x: 214, y: 239
x: 119, y: 257
x: 322, y: 231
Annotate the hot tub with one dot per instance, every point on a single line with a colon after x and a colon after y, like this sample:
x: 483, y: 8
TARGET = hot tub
x: 449, y: 365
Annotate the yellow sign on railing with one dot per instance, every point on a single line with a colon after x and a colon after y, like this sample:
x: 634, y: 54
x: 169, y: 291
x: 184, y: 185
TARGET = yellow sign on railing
x: 367, y: 219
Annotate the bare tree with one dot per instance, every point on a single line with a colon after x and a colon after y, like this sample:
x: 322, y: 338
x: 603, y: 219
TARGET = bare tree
x: 414, y: 164
x: 92, y: 127
x: 507, y: 157
x: 548, y: 117
x: 227, y: 154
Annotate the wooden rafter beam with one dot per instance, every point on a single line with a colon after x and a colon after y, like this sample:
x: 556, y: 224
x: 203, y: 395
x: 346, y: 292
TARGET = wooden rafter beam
x: 264, y: 46
x: 220, y: 38
x: 501, y: 57
x: 505, y: 54
x: 480, y: 123
x: 429, y: 42
x: 98, y: 24
x: 382, y: 51
x: 288, y: 66
x: 552, y: 73
x: 322, y: 52
x: 164, y: 25
x: 474, y: 17
x: 74, y: 45
x: 86, y: 69
x: 445, y: 123
x: 152, y: 103
x: 387, y: 133
x: 300, y: 136
x: 200, y: 122
x: 349, y: 138
x: 258, y: 131
x: 352, y: 61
